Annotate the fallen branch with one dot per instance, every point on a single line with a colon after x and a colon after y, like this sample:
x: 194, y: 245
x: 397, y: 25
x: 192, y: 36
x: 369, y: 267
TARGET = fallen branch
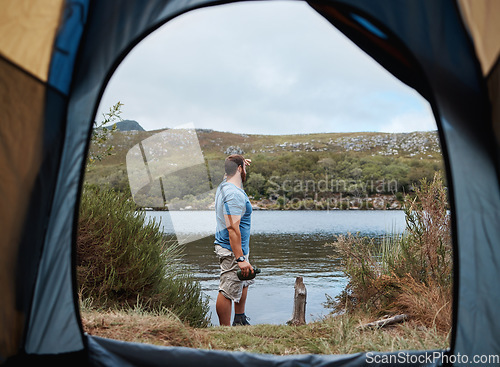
x: 384, y: 322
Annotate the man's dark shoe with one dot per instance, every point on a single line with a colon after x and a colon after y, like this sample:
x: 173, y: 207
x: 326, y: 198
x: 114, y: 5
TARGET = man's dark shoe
x: 241, y: 320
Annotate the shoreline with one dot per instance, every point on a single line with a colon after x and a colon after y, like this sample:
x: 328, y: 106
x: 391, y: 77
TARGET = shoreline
x: 377, y: 202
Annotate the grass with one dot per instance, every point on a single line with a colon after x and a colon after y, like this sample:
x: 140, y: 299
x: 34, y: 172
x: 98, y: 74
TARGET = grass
x: 332, y: 335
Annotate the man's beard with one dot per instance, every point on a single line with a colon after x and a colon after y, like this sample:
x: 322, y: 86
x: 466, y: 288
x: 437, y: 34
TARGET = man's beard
x: 243, y: 176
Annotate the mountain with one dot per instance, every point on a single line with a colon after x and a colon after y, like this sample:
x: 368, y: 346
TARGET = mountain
x: 129, y: 125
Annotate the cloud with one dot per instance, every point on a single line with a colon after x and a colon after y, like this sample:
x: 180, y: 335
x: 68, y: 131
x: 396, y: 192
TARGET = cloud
x: 269, y: 68
x: 411, y: 121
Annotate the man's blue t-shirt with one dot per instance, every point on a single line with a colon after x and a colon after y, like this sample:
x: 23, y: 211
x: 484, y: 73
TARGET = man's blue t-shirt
x: 232, y: 200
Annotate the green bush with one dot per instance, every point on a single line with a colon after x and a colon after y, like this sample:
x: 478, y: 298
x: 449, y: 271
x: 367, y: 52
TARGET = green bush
x: 123, y: 261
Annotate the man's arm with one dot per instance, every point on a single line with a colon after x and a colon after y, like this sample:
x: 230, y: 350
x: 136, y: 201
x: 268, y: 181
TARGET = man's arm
x: 233, y: 227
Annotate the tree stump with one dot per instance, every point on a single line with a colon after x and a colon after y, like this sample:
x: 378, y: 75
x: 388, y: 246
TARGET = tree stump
x: 299, y: 303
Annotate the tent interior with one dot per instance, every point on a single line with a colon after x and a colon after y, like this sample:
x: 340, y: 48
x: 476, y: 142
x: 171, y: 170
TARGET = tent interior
x: 56, y: 58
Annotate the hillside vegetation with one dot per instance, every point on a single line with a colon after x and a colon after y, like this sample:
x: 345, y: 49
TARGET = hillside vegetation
x: 305, y: 171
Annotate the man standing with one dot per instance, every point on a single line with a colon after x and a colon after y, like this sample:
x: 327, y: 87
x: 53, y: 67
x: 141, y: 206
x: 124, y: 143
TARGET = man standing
x: 233, y: 211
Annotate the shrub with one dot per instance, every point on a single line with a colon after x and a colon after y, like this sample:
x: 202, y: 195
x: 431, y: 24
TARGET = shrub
x: 411, y: 272
x: 122, y: 260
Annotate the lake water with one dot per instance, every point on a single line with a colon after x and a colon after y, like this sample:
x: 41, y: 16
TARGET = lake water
x: 284, y: 245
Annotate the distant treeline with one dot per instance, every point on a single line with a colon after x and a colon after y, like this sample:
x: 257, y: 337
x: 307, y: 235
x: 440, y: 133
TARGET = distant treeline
x: 290, y: 175
x: 322, y: 174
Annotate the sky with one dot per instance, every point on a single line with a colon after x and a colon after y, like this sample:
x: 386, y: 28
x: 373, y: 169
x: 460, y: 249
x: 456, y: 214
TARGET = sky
x: 260, y: 68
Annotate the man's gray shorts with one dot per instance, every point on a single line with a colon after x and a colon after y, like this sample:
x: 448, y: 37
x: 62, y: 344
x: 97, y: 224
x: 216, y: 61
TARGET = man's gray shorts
x: 230, y: 285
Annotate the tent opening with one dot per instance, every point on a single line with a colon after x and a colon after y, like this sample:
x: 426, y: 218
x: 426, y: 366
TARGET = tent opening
x: 339, y: 149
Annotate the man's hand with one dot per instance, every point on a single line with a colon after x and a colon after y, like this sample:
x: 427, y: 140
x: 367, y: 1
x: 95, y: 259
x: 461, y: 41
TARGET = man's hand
x: 247, y: 162
x: 246, y: 268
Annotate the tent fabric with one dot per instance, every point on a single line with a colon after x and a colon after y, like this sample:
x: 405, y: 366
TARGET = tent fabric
x: 493, y: 81
x: 482, y: 20
x: 66, y: 45
x: 27, y: 32
x: 21, y: 130
x: 33, y: 124
x: 60, y: 330
x: 106, y: 352
x: 440, y: 48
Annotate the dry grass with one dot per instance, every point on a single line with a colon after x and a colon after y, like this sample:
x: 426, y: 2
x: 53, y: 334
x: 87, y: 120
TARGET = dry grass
x: 411, y: 273
x: 335, y: 335
x: 429, y: 305
x: 141, y: 328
